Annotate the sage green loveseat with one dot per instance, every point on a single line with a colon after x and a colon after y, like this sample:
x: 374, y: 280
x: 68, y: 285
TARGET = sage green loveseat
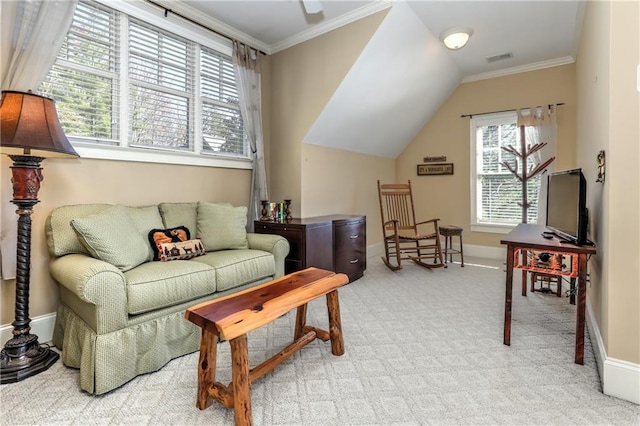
x: 121, y: 313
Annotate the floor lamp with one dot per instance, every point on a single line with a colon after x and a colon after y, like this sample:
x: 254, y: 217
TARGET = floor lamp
x: 29, y: 133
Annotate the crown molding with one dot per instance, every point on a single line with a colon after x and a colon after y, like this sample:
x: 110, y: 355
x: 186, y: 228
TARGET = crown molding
x: 333, y: 24
x: 230, y: 32
x: 214, y: 24
x: 519, y: 69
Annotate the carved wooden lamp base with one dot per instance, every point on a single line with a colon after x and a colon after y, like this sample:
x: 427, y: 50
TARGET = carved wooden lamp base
x: 22, y: 355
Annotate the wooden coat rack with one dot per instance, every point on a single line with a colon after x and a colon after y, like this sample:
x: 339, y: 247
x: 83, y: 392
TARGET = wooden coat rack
x: 523, y: 154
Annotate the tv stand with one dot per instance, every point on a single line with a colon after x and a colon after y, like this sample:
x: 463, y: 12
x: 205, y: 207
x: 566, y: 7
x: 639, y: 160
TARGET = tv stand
x: 528, y: 237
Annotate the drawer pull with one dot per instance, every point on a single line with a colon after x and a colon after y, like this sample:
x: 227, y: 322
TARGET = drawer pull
x: 353, y: 237
x: 353, y: 261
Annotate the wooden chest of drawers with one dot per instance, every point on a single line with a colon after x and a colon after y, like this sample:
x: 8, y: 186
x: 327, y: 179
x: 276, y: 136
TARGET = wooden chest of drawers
x: 335, y: 242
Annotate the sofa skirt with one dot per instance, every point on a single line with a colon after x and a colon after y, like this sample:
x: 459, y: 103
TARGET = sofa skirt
x: 108, y: 361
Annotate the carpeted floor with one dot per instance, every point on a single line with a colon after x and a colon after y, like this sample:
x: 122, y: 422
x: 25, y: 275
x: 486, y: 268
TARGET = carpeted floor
x: 422, y: 347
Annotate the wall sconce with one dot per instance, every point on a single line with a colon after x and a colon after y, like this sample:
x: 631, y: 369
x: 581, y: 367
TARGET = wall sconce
x: 601, y: 164
x: 455, y: 38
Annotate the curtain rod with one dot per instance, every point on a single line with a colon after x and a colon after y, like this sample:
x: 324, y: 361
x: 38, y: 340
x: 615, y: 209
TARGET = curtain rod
x: 179, y: 15
x: 508, y: 110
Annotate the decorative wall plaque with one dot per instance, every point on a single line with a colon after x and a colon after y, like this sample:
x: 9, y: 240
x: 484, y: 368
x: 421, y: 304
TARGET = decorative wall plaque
x: 436, y: 159
x: 435, y: 169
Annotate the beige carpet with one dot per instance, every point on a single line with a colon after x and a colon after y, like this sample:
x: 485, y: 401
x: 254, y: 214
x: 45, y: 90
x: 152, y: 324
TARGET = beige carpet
x: 422, y: 347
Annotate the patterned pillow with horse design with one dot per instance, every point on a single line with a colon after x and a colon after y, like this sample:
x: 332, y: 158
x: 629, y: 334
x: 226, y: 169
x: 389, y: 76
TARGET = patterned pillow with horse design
x: 174, y: 244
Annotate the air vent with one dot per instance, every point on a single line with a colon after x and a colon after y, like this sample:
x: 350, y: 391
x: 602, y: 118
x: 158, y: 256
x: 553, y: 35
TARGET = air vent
x: 500, y: 57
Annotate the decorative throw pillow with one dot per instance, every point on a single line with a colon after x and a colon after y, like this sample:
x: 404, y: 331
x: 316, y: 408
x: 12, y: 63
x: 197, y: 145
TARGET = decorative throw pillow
x: 157, y: 237
x: 112, y: 236
x: 181, y: 250
x: 222, y: 226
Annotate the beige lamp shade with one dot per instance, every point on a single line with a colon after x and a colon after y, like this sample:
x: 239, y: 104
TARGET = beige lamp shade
x: 29, y: 125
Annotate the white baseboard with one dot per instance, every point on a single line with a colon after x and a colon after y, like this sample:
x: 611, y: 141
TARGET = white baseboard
x: 484, y: 252
x: 42, y: 326
x: 471, y: 250
x: 619, y: 378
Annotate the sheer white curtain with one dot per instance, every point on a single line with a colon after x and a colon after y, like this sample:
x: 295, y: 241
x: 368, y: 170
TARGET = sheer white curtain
x: 248, y: 76
x: 541, y: 127
x: 31, y: 34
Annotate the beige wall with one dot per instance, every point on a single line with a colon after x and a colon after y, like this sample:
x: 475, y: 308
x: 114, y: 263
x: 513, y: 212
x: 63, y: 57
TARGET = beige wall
x: 608, y: 119
x: 448, y: 197
x: 335, y: 181
x: 303, y: 79
x: 79, y: 181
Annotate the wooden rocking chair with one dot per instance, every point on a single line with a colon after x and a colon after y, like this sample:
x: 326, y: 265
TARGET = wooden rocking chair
x: 404, y: 239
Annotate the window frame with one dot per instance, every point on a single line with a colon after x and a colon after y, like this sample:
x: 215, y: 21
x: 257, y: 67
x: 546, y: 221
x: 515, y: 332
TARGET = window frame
x: 150, y: 14
x: 475, y: 123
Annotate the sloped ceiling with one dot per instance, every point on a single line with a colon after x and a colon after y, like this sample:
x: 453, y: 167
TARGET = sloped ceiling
x: 400, y: 80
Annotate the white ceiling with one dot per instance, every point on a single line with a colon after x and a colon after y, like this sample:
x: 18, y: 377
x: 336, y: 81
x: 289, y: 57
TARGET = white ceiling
x: 403, y: 94
x: 534, y: 31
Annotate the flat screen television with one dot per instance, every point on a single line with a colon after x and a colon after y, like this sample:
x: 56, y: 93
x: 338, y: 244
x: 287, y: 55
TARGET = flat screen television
x: 567, y: 215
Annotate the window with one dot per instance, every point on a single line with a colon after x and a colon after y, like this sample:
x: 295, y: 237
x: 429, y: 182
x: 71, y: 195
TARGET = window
x: 128, y: 87
x: 495, y: 191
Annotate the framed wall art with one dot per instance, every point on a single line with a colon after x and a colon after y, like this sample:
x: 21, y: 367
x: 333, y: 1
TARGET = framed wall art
x: 435, y: 169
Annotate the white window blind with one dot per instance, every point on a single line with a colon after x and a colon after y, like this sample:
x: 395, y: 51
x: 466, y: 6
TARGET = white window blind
x: 121, y: 81
x: 222, y: 130
x: 495, y: 191
x: 161, y: 81
x: 84, y: 79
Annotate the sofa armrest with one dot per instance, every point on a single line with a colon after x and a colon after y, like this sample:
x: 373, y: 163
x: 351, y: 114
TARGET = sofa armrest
x: 95, y: 290
x: 274, y: 244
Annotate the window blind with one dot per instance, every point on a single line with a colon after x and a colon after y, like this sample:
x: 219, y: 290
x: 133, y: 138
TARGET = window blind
x: 84, y: 79
x: 498, y: 191
x: 122, y: 81
x: 222, y: 127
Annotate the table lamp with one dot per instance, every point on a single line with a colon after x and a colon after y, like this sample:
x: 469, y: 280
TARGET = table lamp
x: 29, y: 132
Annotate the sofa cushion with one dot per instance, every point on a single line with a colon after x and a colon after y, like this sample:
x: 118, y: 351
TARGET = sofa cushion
x: 234, y: 268
x: 179, y: 214
x: 156, y: 285
x: 222, y: 227
x: 112, y: 236
x: 145, y: 219
x: 61, y: 237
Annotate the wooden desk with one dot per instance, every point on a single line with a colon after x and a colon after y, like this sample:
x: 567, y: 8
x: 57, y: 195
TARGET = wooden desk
x: 527, y: 239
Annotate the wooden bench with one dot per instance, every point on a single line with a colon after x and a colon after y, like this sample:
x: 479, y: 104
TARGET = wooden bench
x: 232, y: 317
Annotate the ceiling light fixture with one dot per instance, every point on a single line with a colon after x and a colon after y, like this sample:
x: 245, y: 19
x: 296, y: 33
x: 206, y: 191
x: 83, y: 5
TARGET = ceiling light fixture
x: 312, y: 6
x: 455, y: 38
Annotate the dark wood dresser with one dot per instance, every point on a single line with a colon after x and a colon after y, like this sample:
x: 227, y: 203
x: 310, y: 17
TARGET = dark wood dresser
x: 334, y: 242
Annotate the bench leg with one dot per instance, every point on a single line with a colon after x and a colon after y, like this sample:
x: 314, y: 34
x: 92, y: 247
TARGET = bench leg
x: 241, y: 381
x: 335, y: 326
x: 301, y: 321
x: 206, y: 368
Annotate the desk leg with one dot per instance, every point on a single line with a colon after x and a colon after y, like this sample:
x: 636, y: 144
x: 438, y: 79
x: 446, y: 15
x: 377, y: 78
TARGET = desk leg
x: 582, y: 299
x: 525, y: 273
x: 206, y: 368
x: 572, y: 291
x: 335, y: 326
x: 507, y: 297
x: 241, y: 380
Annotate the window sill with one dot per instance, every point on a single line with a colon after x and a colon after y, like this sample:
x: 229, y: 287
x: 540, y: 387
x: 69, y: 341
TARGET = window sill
x: 144, y: 155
